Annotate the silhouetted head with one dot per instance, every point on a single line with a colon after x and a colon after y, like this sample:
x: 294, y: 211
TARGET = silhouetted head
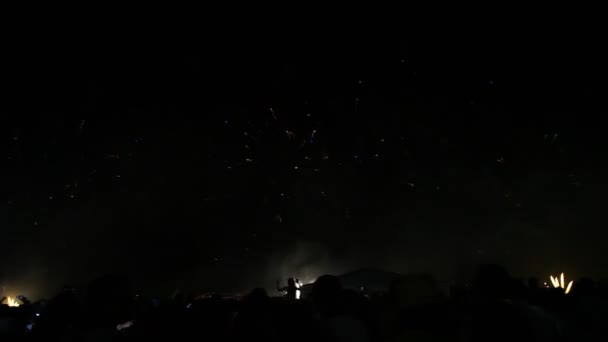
x: 585, y: 286
x: 415, y: 290
x: 291, y: 282
x: 325, y: 293
x: 533, y: 283
x: 517, y: 288
x: 352, y: 302
x: 492, y: 281
x: 108, y: 299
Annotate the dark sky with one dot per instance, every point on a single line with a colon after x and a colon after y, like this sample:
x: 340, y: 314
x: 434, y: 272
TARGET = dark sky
x: 222, y: 163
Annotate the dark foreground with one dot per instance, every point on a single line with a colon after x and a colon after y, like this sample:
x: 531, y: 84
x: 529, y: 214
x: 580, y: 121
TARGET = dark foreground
x: 494, y: 308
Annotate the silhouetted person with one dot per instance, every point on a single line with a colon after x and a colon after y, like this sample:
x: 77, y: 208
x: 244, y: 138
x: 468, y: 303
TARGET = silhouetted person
x: 291, y: 289
x: 496, y: 316
x: 298, y: 288
x: 108, y: 303
x: 254, y: 319
x: 61, y: 315
x: 533, y: 283
x: 418, y: 309
x: 325, y: 294
x: 341, y: 313
x: 585, y: 287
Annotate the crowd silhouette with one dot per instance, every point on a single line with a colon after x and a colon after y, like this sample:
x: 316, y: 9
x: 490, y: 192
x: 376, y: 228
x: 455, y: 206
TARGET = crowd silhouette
x: 493, y: 307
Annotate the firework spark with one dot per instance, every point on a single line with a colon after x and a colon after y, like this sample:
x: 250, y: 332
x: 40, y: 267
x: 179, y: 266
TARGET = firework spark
x: 560, y: 282
x: 12, y: 302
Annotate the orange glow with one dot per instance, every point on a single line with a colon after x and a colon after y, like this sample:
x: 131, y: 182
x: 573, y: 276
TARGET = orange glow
x: 12, y: 302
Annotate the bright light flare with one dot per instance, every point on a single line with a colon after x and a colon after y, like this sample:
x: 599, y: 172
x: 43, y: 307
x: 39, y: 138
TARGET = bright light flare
x: 560, y: 282
x: 12, y: 302
x: 298, y: 290
x: 569, y: 288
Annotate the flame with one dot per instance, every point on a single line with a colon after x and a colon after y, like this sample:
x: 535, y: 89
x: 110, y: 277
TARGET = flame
x: 560, y: 282
x: 12, y: 302
x: 569, y: 288
x: 554, y: 282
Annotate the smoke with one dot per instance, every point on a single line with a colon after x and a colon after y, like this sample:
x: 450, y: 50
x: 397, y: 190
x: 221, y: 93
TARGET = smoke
x: 305, y: 260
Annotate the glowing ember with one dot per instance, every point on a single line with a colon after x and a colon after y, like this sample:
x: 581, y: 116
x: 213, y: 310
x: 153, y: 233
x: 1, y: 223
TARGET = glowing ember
x: 560, y: 282
x: 12, y: 302
x: 569, y: 288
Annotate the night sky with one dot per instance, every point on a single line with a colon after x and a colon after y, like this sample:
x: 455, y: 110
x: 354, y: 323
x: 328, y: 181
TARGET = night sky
x: 222, y: 163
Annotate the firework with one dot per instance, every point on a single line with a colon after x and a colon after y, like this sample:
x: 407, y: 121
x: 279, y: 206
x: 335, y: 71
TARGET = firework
x: 12, y: 302
x: 560, y: 282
